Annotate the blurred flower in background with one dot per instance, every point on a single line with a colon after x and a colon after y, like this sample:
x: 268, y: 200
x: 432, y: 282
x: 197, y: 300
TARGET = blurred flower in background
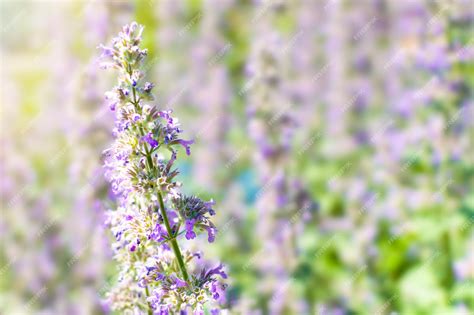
x: 336, y: 137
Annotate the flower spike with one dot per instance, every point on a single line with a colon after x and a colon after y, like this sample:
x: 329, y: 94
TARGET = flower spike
x: 153, y: 216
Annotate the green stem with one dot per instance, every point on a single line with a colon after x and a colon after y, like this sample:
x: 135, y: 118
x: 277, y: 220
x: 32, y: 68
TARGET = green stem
x: 148, y: 158
x: 449, y: 277
x: 174, y: 243
x: 149, y: 311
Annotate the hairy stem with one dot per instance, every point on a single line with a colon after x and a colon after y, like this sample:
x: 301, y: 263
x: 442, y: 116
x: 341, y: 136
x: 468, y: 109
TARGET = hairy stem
x: 174, y: 243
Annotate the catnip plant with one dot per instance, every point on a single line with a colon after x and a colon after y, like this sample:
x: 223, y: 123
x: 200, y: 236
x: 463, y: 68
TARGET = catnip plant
x: 153, y: 217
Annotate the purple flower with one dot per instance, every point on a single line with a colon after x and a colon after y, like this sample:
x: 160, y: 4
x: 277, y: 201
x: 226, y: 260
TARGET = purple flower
x: 106, y: 52
x: 164, y: 310
x: 214, y: 290
x: 209, y: 205
x: 148, y: 87
x: 166, y: 114
x: 159, y: 277
x: 158, y: 234
x: 180, y: 283
x: 186, y: 144
x: 170, y: 132
x: 211, y: 234
x: 149, y: 139
x: 112, y: 106
x: 189, y: 225
x: 217, y: 271
x: 123, y: 93
x: 150, y: 269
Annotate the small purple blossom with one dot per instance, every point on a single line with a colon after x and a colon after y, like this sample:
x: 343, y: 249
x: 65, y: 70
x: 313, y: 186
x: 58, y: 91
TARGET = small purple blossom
x: 148, y: 87
x: 149, y: 139
x: 180, y: 283
x: 159, y: 235
x: 187, y: 145
x: 217, y: 271
x: 189, y: 225
x: 106, y: 51
x: 211, y: 234
x: 214, y: 290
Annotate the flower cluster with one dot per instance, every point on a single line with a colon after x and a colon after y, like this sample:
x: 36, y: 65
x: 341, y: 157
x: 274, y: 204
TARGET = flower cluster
x: 194, y: 210
x: 152, y: 214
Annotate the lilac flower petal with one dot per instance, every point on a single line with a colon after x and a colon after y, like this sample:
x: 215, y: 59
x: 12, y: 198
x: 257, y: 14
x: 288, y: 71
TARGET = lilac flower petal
x: 149, y: 139
x: 186, y: 144
x: 211, y: 234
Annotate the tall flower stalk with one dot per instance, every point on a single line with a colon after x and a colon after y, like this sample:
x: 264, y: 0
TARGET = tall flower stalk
x: 156, y: 275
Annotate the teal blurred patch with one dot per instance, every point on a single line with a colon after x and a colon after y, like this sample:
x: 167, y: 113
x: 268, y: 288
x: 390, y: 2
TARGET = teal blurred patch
x: 247, y: 179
